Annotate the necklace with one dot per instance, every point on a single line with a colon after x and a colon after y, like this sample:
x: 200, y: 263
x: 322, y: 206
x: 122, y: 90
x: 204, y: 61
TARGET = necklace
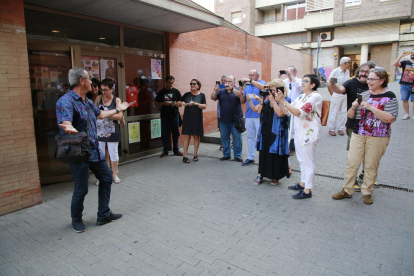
x: 105, y: 101
x: 305, y: 98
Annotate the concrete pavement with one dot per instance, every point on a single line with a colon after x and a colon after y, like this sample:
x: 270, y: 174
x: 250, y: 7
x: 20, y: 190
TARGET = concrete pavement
x: 207, y: 218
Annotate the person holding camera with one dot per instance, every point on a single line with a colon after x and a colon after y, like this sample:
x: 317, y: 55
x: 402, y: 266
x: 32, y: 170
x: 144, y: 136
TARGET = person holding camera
x: 406, y: 81
x: 376, y: 110
x: 337, y: 110
x: 230, y: 108
x: 252, y: 117
x: 306, y: 111
x: 273, y: 134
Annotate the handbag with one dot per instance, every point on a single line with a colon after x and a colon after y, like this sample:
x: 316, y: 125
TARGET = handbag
x: 73, y: 148
x: 239, y: 124
x: 325, y: 112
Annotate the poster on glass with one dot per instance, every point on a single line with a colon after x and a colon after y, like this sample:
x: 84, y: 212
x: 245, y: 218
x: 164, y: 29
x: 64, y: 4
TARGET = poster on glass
x: 156, y: 73
x: 134, y: 132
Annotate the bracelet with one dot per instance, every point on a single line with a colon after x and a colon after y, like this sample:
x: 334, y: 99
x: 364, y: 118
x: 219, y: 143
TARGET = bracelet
x: 117, y: 110
x: 284, y: 105
x: 353, y: 109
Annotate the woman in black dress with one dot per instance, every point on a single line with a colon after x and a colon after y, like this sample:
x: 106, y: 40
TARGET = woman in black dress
x: 272, y: 138
x: 194, y: 102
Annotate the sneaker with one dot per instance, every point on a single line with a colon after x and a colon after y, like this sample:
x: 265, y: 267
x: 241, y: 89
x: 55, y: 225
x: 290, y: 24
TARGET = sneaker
x: 376, y: 185
x: 78, y: 226
x: 110, y: 218
x: 247, y: 162
x: 297, y: 187
x: 406, y: 116
x: 368, y: 199
x: 302, y: 195
x: 341, y: 195
x: 238, y: 159
x: 224, y: 158
x: 361, y: 176
x: 357, y: 188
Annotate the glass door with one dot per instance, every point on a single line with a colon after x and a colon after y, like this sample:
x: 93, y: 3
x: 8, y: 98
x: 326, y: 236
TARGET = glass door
x: 107, y: 66
x: 48, y: 81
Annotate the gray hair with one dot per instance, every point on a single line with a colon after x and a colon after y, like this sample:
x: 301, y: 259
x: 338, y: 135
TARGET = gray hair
x: 75, y: 74
x: 344, y: 60
x: 294, y: 68
x: 224, y: 76
x: 230, y: 76
x: 140, y: 72
x: 257, y: 71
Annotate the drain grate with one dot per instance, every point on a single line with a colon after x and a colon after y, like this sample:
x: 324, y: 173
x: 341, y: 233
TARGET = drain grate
x: 381, y: 185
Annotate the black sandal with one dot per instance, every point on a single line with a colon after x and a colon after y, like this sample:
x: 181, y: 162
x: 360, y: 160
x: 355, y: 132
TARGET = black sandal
x: 195, y: 158
x: 186, y: 160
x: 259, y: 180
x: 274, y: 182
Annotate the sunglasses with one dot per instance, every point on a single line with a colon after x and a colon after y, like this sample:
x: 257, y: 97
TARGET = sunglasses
x: 191, y: 83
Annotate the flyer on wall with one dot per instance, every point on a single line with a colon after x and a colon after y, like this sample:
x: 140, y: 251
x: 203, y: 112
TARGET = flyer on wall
x: 108, y: 69
x: 156, y: 73
x: 155, y: 128
x: 91, y: 65
x: 134, y: 132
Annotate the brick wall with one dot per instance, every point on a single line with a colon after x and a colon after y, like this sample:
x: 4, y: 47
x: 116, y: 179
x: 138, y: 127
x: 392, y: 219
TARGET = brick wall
x: 210, y: 53
x: 19, y: 180
x: 381, y: 55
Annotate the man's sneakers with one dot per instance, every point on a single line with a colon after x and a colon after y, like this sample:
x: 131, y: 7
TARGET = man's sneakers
x: 78, y: 226
x: 359, y: 180
x: 406, y: 117
x: 247, y: 162
x: 341, y: 195
x: 110, y: 218
x: 297, y: 187
x: 302, y: 195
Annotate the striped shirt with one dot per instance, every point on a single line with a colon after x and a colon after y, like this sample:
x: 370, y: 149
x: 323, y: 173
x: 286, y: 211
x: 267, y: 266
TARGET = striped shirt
x: 369, y: 124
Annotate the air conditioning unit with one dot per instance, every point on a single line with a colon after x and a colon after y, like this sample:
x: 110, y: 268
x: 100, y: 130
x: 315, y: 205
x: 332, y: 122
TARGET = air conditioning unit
x: 325, y: 36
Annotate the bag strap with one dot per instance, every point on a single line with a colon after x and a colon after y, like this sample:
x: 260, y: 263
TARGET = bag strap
x: 88, y: 121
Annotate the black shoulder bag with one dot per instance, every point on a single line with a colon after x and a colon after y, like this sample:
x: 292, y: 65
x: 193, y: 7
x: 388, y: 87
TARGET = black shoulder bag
x: 73, y: 148
x: 238, y: 122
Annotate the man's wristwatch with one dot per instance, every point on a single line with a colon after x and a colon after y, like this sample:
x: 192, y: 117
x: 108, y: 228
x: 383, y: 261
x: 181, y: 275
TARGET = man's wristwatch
x: 117, y: 110
x: 284, y: 105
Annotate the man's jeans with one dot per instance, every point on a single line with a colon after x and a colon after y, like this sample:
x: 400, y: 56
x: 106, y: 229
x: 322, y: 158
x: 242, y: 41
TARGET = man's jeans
x: 166, y: 124
x: 79, y: 173
x: 225, y: 129
x: 252, y: 127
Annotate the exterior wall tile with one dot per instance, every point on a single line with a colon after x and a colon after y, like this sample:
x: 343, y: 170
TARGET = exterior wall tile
x: 19, y: 182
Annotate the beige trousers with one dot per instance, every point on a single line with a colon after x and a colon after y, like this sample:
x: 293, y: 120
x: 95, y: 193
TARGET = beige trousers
x: 371, y: 149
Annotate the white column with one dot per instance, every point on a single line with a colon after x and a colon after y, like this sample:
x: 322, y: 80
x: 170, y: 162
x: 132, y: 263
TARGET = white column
x: 364, y: 53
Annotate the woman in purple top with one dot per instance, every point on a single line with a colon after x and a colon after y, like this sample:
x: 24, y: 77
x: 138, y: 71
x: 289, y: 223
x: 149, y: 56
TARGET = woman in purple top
x: 377, y: 110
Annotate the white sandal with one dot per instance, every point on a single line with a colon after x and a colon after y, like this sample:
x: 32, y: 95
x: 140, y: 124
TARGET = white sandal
x: 117, y: 180
x: 97, y: 183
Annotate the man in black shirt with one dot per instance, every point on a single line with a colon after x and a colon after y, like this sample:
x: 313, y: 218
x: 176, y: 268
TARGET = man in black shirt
x: 169, y: 100
x: 352, y: 88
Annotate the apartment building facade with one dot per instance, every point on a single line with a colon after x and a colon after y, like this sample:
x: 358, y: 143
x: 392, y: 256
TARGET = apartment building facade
x: 377, y: 30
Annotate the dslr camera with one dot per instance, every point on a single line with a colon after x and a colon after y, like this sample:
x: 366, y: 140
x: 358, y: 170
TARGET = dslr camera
x: 265, y: 92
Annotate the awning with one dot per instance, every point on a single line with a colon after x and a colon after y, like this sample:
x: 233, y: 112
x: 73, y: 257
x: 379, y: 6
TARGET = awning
x: 177, y: 16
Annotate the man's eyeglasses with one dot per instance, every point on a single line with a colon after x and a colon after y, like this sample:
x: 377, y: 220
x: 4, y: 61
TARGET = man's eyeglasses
x: 371, y: 79
x: 191, y: 83
x: 105, y: 90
